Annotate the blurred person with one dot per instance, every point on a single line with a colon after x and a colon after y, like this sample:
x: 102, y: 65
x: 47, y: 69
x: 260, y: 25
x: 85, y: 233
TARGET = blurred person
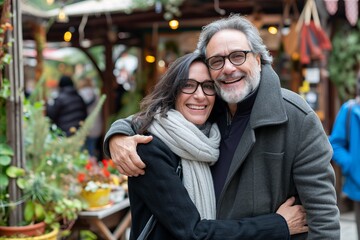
x: 273, y: 144
x: 67, y: 110
x: 91, y: 96
x: 345, y: 140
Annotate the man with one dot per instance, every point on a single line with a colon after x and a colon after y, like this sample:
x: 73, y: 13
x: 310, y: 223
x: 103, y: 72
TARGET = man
x: 273, y: 144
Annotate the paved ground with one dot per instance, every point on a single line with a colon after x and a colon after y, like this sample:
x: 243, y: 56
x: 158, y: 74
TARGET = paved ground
x: 348, y: 226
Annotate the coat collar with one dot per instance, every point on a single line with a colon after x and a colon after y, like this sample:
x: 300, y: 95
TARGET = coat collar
x: 268, y: 108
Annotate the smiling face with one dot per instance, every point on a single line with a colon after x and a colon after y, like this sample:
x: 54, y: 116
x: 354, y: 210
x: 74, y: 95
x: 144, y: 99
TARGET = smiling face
x: 196, y: 107
x: 234, y: 82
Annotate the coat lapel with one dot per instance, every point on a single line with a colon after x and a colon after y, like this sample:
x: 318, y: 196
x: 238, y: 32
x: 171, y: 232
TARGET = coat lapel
x: 242, y: 150
x: 268, y: 109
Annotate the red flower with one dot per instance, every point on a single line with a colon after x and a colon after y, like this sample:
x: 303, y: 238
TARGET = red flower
x: 105, y: 163
x: 88, y: 166
x: 81, y: 177
x: 106, y: 172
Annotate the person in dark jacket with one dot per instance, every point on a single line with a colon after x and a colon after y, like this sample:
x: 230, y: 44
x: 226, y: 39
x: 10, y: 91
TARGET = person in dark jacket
x: 68, y: 110
x: 273, y: 144
x: 176, y: 115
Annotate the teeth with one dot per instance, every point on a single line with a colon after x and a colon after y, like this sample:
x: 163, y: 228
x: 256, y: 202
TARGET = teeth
x: 232, y: 81
x: 196, y: 107
x: 227, y: 82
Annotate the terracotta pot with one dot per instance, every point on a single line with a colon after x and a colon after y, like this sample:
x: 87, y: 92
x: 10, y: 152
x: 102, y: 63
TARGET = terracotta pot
x: 48, y: 236
x: 28, y: 230
x: 99, y: 198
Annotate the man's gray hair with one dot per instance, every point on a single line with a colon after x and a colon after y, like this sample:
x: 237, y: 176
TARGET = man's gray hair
x: 237, y: 22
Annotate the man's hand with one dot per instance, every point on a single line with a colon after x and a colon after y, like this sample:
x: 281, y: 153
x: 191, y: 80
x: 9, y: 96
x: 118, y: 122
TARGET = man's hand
x: 123, y: 153
x: 294, y: 215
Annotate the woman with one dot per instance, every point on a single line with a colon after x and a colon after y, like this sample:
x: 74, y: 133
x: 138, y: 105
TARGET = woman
x: 176, y: 113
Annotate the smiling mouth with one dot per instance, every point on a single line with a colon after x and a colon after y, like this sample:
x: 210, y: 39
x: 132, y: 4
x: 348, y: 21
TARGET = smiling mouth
x: 232, y: 81
x: 196, y: 107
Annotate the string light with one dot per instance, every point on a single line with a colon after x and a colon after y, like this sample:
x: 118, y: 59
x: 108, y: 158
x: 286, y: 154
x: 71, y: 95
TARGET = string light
x: 273, y: 30
x: 150, y: 59
x: 174, y: 24
x: 67, y: 36
x: 62, y: 17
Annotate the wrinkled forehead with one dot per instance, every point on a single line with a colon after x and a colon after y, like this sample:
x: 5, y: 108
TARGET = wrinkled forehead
x: 225, y: 42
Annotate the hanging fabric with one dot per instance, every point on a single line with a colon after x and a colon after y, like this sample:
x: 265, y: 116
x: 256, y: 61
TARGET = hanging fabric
x: 313, y: 39
x: 331, y: 6
x: 290, y: 39
x: 352, y: 11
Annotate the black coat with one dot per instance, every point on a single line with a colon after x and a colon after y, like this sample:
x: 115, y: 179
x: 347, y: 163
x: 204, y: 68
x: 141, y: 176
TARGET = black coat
x: 161, y: 192
x: 68, y: 109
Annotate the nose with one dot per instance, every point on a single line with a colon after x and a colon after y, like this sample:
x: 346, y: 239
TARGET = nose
x: 199, y: 93
x: 228, y: 66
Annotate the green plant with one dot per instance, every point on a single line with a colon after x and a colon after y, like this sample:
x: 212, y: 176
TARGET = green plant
x: 171, y: 7
x: 50, y: 191
x: 6, y: 154
x: 344, y: 60
x: 5, y: 159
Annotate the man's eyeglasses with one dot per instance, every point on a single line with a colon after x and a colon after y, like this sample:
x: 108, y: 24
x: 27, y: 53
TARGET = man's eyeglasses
x: 191, y: 85
x: 236, y: 58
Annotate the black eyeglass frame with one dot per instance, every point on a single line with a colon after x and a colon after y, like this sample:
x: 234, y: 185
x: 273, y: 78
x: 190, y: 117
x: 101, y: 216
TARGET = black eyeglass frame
x: 228, y: 57
x: 197, y: 85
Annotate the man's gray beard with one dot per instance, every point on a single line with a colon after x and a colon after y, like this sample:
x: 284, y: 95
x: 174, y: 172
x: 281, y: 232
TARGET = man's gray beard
x: 251, y: 83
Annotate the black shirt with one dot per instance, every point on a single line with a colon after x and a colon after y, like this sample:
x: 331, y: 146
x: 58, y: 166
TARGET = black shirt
x: 231, y: 133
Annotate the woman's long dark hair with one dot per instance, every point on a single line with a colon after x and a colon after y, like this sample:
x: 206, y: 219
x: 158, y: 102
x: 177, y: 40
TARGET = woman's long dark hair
x: 165, y: 92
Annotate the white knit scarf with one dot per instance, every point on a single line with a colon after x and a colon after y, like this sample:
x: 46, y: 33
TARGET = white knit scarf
x: 197, y: 152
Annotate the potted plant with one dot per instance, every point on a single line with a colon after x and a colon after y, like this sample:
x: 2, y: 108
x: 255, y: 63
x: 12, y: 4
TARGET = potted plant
x: 99, y: 180
x: 48, y: 181
x: 96, y: 181
x: 42, y: 204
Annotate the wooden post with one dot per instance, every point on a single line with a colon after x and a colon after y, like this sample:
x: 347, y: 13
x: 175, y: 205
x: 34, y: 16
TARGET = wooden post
x: 14, y: 107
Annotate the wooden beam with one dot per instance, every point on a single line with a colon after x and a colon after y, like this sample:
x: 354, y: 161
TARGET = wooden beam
x: 14, y: 110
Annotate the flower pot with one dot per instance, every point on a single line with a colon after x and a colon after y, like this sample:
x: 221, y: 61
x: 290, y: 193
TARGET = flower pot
x: 99, y: 198
x: 117, y: 194
x: 48, y: 236
x: 26, y: 231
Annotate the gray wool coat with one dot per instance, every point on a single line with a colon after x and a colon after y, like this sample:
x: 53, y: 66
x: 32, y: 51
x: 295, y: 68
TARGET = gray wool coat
x: 283, y: 152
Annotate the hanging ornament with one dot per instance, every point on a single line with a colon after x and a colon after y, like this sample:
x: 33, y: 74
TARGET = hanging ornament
x: 352, y: 11
x: 331, y: 6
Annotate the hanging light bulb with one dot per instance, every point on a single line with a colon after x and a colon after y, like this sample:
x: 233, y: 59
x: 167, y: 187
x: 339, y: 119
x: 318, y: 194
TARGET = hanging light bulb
x: 67, y: 36
x: 174, y: 24
x: 62, y: 17
x: 273, y: 30
x: 150, y: 58
x: 50, y: 2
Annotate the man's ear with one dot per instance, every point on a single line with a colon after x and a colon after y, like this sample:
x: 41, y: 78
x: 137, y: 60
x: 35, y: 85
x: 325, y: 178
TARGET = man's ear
x: 258, y: 59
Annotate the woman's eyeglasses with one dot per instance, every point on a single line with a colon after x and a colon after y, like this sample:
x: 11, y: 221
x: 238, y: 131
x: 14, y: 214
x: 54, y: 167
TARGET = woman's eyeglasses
x: 208, y: 87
